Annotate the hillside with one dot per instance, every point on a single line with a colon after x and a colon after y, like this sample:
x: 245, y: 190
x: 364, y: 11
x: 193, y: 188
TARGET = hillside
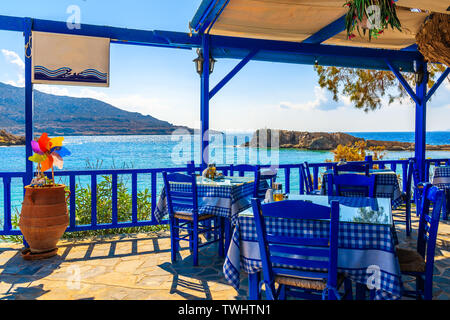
x: 61, y: 115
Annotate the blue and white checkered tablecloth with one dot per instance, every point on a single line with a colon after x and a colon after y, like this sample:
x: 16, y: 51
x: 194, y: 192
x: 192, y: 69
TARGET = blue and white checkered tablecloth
x: 441, y: 177
x: 386, y: 186
x: 365, y: 250
x: 222, y: 199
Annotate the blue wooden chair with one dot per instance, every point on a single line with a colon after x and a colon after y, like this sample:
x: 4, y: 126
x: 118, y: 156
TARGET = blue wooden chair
x: 351, y: 167
x: 408, y: 195
x: 419, y: 263
x: 270, y: 175
x: 301, y: 253
x: 241, y: 169
x: 184, y: 215
x: 351, y: 185
x: 309, y: 185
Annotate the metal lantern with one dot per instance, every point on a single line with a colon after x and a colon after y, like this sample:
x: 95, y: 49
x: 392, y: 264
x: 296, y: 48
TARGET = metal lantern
x: 199, y: 62
x: 212, y: 62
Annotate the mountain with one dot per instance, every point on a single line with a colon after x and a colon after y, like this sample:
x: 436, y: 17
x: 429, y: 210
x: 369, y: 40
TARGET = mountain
x: 61, y: 115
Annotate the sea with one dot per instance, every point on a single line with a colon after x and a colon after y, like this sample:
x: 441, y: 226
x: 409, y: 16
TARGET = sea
x: 162, y: 151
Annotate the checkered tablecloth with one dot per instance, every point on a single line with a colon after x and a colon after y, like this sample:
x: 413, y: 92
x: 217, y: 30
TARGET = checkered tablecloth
x: 221, y: 199
x: 441, y: 177
x: 386, y: 186
x: 365, y: 250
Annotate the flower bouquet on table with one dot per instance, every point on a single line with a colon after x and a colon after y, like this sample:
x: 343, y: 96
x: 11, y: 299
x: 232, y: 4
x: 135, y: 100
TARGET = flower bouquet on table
x: 44, y: 217
x: 211, y: 173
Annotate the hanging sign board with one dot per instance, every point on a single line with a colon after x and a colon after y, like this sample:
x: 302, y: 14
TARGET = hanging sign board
x: 70, y: 60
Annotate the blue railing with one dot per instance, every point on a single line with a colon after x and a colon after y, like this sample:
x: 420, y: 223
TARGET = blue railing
x: 291, y: 174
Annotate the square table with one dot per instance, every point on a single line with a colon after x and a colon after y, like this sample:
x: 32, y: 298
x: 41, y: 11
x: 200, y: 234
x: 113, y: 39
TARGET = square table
x: 386, y: 185
x: 366, y: 251
x: 223, y: 198
x: 441, y: 179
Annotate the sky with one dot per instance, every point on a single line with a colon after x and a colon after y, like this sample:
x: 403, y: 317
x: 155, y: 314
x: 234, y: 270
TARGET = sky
x: 163, y: 83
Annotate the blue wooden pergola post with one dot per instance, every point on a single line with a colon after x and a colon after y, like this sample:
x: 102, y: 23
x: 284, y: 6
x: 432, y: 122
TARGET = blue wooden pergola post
x: 28, y: 107
x: 28, y: 101
x: 204, y: 101
x: 421, y: 119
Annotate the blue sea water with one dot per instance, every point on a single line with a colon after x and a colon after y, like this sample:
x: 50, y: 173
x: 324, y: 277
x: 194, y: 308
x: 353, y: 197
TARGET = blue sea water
x: 139, y: 152
x: 171, y: 151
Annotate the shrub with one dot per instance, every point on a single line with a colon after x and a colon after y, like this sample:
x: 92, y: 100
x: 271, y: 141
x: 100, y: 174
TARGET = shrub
x: 357, y: 152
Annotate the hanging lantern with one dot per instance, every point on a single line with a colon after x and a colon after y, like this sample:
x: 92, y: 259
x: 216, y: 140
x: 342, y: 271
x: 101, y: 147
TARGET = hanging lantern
x: 199, y: 62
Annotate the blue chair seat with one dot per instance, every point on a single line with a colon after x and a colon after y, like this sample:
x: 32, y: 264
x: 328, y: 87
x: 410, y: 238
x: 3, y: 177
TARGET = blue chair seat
x: 185, y: 215
x: 304, y: 267
x: 310, y: 283
x: 419, y: 263
x: 410, y: 260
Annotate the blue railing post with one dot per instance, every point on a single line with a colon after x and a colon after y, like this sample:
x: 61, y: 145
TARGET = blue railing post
x: 404, y: 176
x: 93, y: 200
x: 153, y: 195
x: 287, y: 179
x: 190, y: 167
x: 28, y: 100
x: 114, y: 214
x: 369, y: 160
x: 7, y: 226
x: 421, y: 118
x: 72, y: 201
x: 134, y: 204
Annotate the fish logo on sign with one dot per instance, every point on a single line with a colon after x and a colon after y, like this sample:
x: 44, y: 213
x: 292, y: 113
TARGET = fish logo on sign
x: 66, y: 74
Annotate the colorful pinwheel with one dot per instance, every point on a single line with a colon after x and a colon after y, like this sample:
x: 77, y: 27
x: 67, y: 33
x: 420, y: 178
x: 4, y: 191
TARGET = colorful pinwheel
x: 48, y: 153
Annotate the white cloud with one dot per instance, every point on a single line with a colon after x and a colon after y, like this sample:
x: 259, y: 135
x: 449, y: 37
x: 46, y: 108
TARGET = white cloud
x: 19, y: 83
x: 320, y: 97
x: 14, y: 58
x: 55, y: 90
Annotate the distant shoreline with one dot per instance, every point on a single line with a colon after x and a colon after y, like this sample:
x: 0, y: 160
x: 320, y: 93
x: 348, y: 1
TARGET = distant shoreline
x: 318, y: 141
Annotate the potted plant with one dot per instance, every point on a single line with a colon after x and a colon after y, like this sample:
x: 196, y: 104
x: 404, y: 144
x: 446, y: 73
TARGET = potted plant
x: 44, y: 217
x: 372, y: 16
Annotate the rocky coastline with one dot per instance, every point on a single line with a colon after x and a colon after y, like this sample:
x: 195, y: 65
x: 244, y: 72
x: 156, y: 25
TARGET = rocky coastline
x: 8, y: 139
x: 324, y: 141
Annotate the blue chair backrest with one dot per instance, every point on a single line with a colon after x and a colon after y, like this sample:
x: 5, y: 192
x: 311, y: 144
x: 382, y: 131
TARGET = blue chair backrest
x: 307, y: 178
x: 190, y: 167
x: 184, y: 200
x: 429, y: 223
x: 351, y: 167
x: 278, y: 250
x: 269, y: 175
x: 242, y: 169
x: 351, y: 184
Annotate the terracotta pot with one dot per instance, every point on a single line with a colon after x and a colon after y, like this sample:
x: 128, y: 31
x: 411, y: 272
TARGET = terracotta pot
x: 44, y: 217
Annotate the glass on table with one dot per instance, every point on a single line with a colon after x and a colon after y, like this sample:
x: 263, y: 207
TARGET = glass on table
x: 278, y: 192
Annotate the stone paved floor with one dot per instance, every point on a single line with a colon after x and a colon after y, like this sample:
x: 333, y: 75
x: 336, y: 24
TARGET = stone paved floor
x: 138, y: 267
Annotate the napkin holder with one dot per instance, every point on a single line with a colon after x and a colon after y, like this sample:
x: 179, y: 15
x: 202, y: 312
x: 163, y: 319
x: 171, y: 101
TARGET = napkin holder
x: 269, y: 196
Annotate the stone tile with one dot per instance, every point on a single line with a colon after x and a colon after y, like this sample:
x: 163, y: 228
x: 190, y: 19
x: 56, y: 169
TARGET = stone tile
x: 139, y: 267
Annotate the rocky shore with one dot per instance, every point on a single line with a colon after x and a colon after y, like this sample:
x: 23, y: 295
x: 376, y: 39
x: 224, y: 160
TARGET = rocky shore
x: 7, y: 139
x: 324, y: 141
